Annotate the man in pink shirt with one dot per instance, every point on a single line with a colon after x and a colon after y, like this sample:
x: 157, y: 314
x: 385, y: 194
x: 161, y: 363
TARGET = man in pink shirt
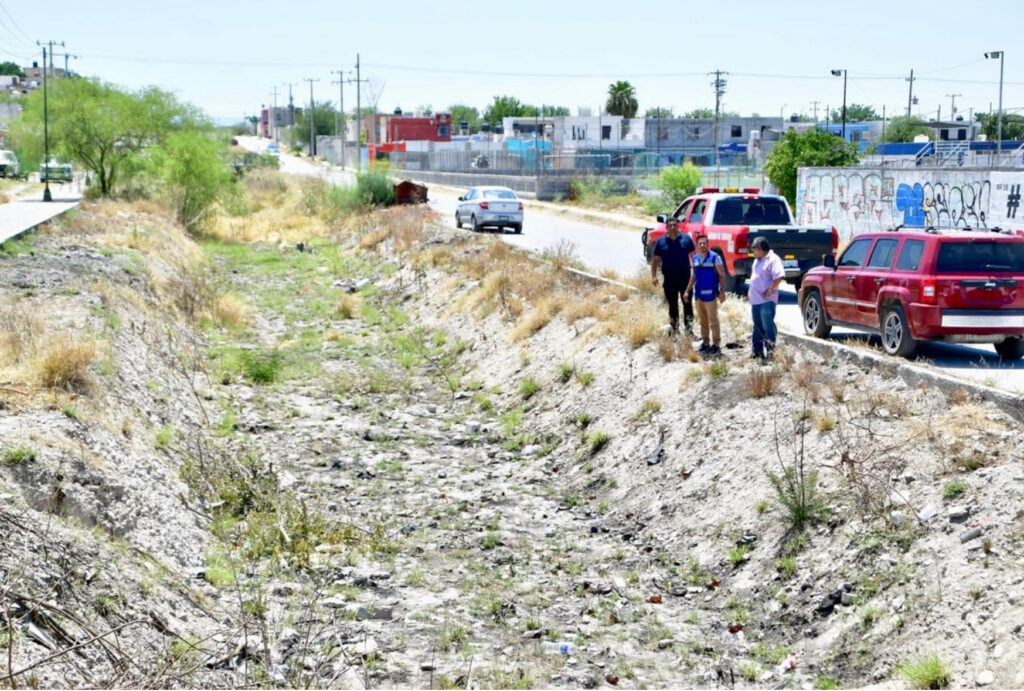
x: 765, y: 276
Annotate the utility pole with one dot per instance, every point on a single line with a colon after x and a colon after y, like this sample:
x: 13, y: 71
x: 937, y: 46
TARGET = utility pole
x: 882, y: 147
x: 341, y: 112
x: 910, y: 94
x: 312, y: 117
x: 274, y: 115
x: 47, y: 196
x: 359, y: 116
x: 952, y: 105
x: 719, y: 86
x: 815, y: 104
x: 291, y: 108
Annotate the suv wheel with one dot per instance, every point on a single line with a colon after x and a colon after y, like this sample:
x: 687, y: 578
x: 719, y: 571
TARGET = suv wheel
x: 815, y: 321
x: 1010, y: 348
x: 896, y: 338
x: 458, y: 220
x: 476, y: 228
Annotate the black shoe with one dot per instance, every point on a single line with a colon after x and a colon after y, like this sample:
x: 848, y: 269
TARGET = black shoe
x: 715, y: 351
x: 705, y: 348
x: 756, y: 356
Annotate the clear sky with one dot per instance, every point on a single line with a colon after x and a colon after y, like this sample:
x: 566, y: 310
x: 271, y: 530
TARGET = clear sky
x: 227, y: 56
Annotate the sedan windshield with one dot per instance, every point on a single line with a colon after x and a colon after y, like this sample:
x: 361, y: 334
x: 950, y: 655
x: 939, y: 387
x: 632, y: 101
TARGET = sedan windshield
x: 500, y: 194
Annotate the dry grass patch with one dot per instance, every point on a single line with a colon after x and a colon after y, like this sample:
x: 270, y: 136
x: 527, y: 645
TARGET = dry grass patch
x: 20, y: 329
x: 734, y: 316
x: 64, y: 364
x: 637, y: 321
x: 537, y: 319
x: 348, y: 306
x: 672, y: 349
x: 764, y: 381
x: 230, y: 312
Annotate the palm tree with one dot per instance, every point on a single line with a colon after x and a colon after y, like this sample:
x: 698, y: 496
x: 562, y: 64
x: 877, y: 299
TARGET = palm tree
x: 622, y: 100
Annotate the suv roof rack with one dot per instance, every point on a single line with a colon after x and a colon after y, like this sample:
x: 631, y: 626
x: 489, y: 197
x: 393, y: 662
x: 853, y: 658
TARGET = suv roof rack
x: 935, y: 230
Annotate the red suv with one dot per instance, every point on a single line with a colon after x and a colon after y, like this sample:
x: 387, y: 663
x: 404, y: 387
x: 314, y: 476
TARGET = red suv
x: 910, y: 285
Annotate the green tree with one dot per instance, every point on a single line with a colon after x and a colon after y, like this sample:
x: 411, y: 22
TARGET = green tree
x: 815, y: 147
x: 11, y: 68
x: 324, y: 122
x: 659, y: 112
x: 462, y: 112
x: 1013, y: 125
x: 904, y: 129
x: 507, y: 107
x: 622, y: 99
x: 427, y: 110
x: 192, y: 174
x: 700, y: 114
x: 555, y: 111
x: 100, y: 127
x: 855, y: 112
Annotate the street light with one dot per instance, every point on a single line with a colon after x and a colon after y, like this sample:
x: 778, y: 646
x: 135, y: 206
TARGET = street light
x: 781, y: 116
x: 836, y: 73
x: 999, y: 128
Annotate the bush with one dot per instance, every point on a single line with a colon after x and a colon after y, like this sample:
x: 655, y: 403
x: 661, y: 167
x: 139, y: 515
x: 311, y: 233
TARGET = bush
x: 375, y: 189
x: 928, y: 672
x: 193, y: 175
x: 678, y: 182
x: 262, y: 367
x: 19, y: 455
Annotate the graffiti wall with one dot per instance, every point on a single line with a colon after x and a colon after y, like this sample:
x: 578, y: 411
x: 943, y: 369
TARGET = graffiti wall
x: 860, y: 200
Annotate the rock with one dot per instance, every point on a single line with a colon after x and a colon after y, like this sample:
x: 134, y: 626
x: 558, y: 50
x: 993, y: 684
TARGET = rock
x: 286, y: 589
x: 970, y: 535
x: 958, y: 513
x: 826, y: 606
x: 928, y: 513
x: 365, y: 648
x: 532, y: 449
x: 665, y: 643
x: 846, y: 599
x: 334, y: 602
x: 472, y: 427
x: 897, y: 518
x: 985, y: 677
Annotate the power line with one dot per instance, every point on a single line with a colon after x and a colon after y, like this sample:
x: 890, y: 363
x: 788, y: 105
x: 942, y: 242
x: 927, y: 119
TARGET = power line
x: 20, y: 30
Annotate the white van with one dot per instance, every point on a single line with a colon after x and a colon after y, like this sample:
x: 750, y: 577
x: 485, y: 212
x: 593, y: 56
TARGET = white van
x: 8, y: 164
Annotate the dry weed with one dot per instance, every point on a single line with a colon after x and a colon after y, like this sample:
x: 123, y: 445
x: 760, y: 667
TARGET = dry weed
x: 64, y: 364
x: 764, y: 381
x: 637, y: 321
x: 348, y: 306
x: 537, y: 319
x: 230, y: 312
x: 641, y: 280
x: 20, y: 328
x: 735, y: 319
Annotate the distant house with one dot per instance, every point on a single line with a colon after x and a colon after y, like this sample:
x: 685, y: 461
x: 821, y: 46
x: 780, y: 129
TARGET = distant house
x: 401, y: 127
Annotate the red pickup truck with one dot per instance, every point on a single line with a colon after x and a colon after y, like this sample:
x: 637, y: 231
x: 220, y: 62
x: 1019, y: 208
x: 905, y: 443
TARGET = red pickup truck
x: 732, y: 217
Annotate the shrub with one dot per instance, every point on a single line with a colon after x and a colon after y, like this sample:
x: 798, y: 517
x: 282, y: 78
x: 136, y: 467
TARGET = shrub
x: 928, y: 672
x: 528, y: 387
x: 19, y: 455
x: 193, y: 175
x: 262, y: 367
x: 763, y: 382
x: 678, y: 182
x: 565, y: 372
x: 374, y: 188
x: 597, y: 441
x: 953, y: 489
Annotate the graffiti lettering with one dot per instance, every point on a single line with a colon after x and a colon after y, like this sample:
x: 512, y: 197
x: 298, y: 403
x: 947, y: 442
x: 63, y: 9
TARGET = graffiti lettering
x: 1013, y: 201
x: 909, y: 200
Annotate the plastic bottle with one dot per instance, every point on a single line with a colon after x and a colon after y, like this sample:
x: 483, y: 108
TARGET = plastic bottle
x: 787, y: 664
x: 559, y: 648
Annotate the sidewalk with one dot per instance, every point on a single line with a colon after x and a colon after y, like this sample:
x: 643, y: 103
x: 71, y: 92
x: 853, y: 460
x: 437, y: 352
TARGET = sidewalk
x: 25, y: 213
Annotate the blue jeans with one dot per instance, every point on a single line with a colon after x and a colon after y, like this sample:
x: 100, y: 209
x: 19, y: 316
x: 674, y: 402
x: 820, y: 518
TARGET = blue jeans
x: 763, y: 316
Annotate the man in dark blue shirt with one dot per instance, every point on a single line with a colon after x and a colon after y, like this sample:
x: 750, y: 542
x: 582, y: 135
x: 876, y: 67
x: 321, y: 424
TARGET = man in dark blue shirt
x: 673, y: 252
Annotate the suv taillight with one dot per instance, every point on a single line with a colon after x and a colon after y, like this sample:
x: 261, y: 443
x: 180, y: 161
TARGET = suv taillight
x: 520, y: 206
x: 928, y: 291
x: 484, y: 205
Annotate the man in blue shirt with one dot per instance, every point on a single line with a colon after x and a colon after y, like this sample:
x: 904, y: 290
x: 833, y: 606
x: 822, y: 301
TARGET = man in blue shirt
x: 672, y: 252
x: 709, y: 280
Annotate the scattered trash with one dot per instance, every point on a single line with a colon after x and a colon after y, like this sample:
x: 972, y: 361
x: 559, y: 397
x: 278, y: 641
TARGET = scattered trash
x: 560, y: 648
x: 786, y: 665
x: 611, y: 679
x: 735, y: 627
x: 654, y: 599
x: 659, y: 452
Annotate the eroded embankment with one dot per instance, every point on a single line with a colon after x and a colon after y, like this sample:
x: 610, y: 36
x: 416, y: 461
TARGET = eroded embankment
x: 413, y: 456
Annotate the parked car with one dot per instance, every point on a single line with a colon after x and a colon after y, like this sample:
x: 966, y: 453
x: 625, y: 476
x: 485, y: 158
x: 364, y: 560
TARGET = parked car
x: 496, y: 207
x: 913, y: 285
x: 8, y: 164
x: 273, y: 149
x: 732, y: 217
x: 56, y: 172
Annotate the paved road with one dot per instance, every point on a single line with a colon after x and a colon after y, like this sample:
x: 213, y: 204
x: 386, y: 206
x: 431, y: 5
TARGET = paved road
x: 617, y: 246
x: 25, y: 212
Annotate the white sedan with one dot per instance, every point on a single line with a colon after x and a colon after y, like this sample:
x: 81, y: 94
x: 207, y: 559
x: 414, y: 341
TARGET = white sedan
x: 495, y: 207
